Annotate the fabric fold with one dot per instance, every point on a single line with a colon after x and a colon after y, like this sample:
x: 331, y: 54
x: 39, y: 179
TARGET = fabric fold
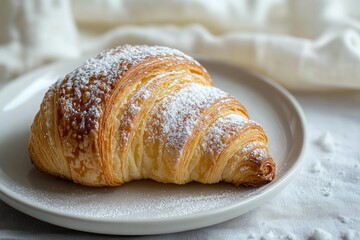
x: 305, y: 45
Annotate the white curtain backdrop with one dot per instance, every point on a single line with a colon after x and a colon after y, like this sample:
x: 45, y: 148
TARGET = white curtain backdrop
x: 304, y: 45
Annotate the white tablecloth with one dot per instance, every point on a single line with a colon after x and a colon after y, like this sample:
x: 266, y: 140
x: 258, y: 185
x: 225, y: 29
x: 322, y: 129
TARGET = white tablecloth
x: 322, y: 202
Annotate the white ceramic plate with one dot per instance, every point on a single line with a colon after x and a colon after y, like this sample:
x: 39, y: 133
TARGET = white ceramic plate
x: 143, y: 207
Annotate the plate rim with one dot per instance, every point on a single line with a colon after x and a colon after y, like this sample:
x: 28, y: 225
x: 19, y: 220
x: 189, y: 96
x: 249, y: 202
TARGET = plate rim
x: 272, y: 189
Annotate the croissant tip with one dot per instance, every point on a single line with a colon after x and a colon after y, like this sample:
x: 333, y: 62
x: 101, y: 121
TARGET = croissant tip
x: 263, y: 173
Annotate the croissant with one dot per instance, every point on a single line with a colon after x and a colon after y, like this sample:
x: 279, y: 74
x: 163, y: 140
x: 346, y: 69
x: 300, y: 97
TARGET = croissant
x: 146, y: 112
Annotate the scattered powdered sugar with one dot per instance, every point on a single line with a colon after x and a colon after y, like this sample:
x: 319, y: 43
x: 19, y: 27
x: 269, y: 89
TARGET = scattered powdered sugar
x: 320, y: 234
x: 83, y: 91
x: 250, y: 146
x: 220, y: 131
x: 136, y: 200
x: 327, y: 188
x: 349, y: 234
x: 177, y: 115
x: 269, y: 235
x: 137, y: 102
x: 259, y: 154
x: 344, y: 219
x: 326, y: 142
x: 316, y: 168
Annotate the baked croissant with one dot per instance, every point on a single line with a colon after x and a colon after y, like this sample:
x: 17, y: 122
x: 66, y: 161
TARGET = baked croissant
x: 141, y: 112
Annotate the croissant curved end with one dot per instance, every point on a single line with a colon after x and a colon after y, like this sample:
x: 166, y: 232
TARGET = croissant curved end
x: 264, y: 175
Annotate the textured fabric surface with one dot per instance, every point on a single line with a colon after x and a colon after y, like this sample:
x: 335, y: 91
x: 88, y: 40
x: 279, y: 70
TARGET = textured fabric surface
x: 301, y: 44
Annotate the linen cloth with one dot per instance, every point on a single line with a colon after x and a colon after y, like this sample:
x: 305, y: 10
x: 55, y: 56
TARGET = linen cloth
x: 304, y: 45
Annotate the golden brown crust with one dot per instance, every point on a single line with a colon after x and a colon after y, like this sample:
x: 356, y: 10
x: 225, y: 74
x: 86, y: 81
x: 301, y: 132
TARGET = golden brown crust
x: 138, y: 112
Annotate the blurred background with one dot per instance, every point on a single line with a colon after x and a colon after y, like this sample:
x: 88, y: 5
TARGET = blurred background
x: 311, y: 47
x: 301, y: 44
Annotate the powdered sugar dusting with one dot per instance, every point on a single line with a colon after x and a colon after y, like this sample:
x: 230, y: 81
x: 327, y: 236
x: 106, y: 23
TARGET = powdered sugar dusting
x: 320, y: 234
x: 259, y: 154
x: 220, y: 131
x: 177, y: 115
x: 326, y: 142
x: 83, y: 91
x: 223, y: 129
x: 136, y: 200
x: 136, y: 103
x: 250, y: 146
